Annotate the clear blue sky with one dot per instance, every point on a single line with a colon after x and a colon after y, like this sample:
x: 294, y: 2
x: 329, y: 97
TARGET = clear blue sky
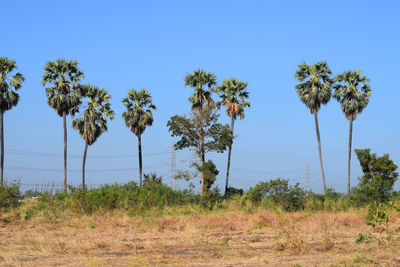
x: 153, y: 44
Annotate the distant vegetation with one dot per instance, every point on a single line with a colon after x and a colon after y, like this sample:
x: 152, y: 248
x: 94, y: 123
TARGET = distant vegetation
x: 374, y: 190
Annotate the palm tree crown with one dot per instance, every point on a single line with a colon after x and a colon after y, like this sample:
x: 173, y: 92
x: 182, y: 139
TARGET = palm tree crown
x: 352, y: 91
x: 9, y: 84
x: 64, y: 77
x: 315, y: 86
x: 138, y: 114
x: 98, y: 109
x: 234, y: 97
x: 202, y: 82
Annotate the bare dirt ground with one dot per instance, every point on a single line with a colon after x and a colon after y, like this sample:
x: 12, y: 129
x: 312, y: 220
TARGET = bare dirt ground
x: 225, y: 239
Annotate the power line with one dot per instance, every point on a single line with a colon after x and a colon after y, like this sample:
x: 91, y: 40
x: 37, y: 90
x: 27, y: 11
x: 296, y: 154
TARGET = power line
x: 267, y: 172
x: 22, y: 168
x: 52, y: 155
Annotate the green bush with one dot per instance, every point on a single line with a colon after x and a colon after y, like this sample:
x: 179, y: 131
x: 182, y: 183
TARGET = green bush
x: 232, y: 191
x: 10, y: 196
x: 290, y: 198
x: 211, y: 198
x: 330, y: 201
x: 376, y: 185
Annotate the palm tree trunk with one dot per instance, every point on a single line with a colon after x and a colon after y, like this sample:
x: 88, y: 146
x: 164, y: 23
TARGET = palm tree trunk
x: 2, y: 147
x: 65, y: 151
x: 140, y: 158
x: 319, y: 150
x: 229, y: 156
x: 348, y: 164
x: 203, y: 176
x: 84, y: 163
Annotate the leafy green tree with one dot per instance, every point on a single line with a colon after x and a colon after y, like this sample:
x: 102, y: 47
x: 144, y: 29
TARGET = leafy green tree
x: 202, y: 133
x: 314, y: 91
x: 63, y: 95
x: 10, y: 82
x: 234, y: 97
x: 138, y: 116
x: 202, y: 82
x: 94, y: 118
x: 352, y: 91
x: 376, y: 185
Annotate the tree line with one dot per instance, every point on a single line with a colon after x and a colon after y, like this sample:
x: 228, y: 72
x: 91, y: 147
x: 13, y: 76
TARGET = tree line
x: 199, y: 130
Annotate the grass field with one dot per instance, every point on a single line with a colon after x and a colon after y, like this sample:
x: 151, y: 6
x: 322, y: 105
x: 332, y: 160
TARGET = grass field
x: 218, y: 238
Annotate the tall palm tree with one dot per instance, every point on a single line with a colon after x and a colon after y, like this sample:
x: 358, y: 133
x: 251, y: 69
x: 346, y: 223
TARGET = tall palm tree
x: 62, y: 78
x: 352, y: 91
x: 203, y: 83
x: 314, y: 91
x: 234, y: 97
x: 138, y: 116
x: 10, y: 82
x: 94, y: 118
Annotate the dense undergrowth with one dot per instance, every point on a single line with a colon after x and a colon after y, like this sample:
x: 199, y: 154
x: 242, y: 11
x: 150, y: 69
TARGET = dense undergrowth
x: 159, y: 200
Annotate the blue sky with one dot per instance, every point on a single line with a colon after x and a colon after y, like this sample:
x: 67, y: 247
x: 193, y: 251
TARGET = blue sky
x: 153, y: 44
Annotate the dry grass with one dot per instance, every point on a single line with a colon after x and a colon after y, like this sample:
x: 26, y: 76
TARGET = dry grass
x: 222, y: 239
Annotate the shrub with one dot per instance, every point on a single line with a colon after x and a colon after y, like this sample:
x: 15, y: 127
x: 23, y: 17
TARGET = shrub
x: 10, y: 196
x: 152, y: 179
x: 290, y: 198
x: 232, y: 191
x: 128, y: 197
x: 331, y: 201
x: 376, y: 185
x: 211, y: 198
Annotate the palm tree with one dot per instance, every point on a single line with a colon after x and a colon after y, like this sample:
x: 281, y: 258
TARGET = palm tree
x: 10, y: 82
x: 94, y: 118
x: 62, y: 94
x: 202, y: 82
x: 314, y: 91
x: 138, y: 116
x: 234, y: 97
x: 353, y: 92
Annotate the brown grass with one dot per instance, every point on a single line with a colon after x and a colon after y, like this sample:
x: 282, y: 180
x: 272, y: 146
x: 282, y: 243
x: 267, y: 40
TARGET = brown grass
x: 223, y: 239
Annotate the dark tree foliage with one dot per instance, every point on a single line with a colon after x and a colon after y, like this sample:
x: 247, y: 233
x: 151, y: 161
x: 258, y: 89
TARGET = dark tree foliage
x: 210, y: 172
x: 376, y: 185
